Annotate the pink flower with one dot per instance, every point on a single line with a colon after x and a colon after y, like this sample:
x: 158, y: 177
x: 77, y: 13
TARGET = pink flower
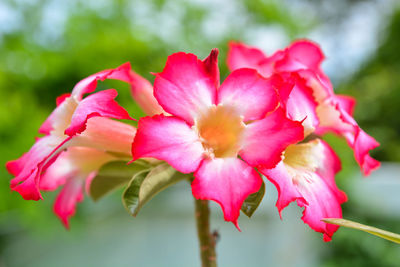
x: 211, y: 125
x: 325, y: 110
x: 306, y: 173
x: 77, y: 121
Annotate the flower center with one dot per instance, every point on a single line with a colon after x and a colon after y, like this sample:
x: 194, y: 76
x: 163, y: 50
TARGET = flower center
x: 220, y: 130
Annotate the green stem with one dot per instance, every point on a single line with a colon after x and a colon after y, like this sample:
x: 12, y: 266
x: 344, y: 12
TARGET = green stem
x: 206, y: 239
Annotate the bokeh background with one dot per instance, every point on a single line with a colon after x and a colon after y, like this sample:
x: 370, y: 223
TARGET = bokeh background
x: 46, y: 46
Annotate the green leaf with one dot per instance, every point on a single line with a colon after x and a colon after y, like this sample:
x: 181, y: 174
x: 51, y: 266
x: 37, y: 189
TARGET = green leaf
x: 113, y: 175
x: 146, y: 184
x: 253, y: 201
x: 369, y: 229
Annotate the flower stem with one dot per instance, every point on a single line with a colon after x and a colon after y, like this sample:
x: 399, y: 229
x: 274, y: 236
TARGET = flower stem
x: 206, y: 239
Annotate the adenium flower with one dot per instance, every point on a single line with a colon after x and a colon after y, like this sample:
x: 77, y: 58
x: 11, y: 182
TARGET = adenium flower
x: 306, y: 173
x: 212, y: 124
x: 334, y: 112
x: 77, y: 121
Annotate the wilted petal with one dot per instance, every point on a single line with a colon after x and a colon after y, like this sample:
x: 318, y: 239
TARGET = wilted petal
x: 170, y: 139
x: 252, y: 94
x: 185, y: 88
x: 266, y: 139
x: 228, y: 181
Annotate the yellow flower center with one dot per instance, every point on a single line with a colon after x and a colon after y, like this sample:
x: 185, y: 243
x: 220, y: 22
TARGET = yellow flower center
x: 221, y: 129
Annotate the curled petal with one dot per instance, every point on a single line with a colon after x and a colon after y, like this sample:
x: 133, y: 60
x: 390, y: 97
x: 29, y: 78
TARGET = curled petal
x: 245, y: 89
x: 243, y: 56
x: 346, y: 102
x: 89, y: 84
x: 34, y: 162
x: 228, y: 181
x: 100, y: 104
x: 334, y: 118
x: 185, y: 88
x: 307, y: 175
x: 266, y: 139
x: 363, y: 143
x: 170, y: 139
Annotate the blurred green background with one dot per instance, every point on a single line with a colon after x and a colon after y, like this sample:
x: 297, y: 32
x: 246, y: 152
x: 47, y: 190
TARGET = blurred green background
x: 46, y: 46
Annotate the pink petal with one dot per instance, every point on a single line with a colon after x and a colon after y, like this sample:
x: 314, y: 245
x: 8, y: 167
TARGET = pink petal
x: 74, y: 162
x: 300, y: 104
x: 100, y: 104
x: 211, y: 64
x: 363, y: 143
x: 335, y: 119
x: 34, y: 162
x: 142, y: 93
x: 252, y: 94
x: 185, y: 87
x: 243, y: 56
x: 266, y: 139
x: 287, y: 191
x: 346, y: 102
x: 319, y: 82
x: 309, y: 179
x: 60, y: 99
x: 106, y: 135
x: 266, y: 67
x: 57, y: 173
x: 170, y: 139
x: 61, y: 116
x: 228, y: 181
x: 47, y: 126
x: 302, y: 54
x: 89, y: 84
x: 69, y: 196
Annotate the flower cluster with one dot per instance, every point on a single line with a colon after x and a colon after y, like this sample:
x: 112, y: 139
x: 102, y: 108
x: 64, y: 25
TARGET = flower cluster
x: 265, y: 119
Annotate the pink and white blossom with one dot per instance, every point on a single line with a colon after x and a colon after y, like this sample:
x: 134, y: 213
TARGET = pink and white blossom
x: 306, y: 173
x: 333, y: 113
x: 76, y: 121
x: 211, y: 125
